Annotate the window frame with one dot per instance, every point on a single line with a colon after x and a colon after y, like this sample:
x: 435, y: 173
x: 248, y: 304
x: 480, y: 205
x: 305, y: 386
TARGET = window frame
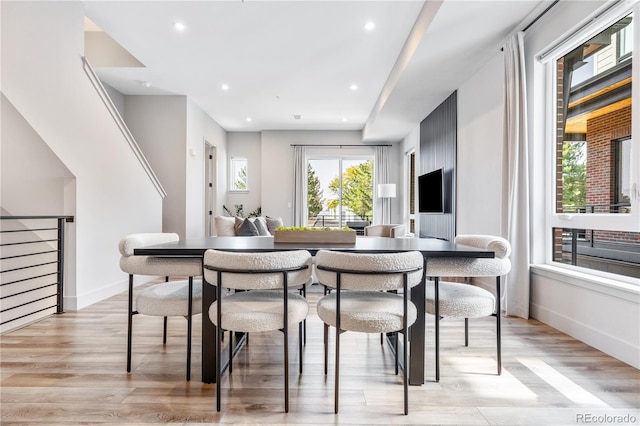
x: 233, y: 174
x: 618, y: 147
x: 629, y: 222
x: 350, y: 155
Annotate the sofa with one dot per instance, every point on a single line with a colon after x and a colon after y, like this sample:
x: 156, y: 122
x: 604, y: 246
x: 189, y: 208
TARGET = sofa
x: 229, y: 226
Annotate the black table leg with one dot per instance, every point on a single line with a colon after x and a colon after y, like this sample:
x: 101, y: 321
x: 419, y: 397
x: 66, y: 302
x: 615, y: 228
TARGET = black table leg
x: 208, y: 335
x: 416, y: 333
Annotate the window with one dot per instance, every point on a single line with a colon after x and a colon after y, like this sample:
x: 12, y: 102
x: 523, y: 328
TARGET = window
x: 238, y: 179
x: 339, y: 190
x: 595, y: 222
x: 623, y: 175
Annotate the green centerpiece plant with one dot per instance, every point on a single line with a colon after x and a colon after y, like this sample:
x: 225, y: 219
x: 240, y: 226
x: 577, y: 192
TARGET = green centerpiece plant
x: 308, y: 228
x: 306, y: 234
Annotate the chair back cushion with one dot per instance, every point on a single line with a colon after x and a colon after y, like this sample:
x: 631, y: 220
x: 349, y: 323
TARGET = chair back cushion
x: 133, y: 241
x: 369, y: 262
x: 499, y: 245
x: 235, y: 263
x: 150, y: 265
x: 471, y: 267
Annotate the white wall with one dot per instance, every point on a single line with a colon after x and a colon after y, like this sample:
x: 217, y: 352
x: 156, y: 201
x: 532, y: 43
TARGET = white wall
x: 200, y: 129
x: 43, y: 180
x: 159, y: 125
x: 116, y: 97
x: 479, y: 150
x: 42, y: 76
x: 248, y: 145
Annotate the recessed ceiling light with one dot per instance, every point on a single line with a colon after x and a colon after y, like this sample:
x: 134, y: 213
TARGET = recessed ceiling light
x: 369, y: 26
x: 353, y: 87
x: 145, y: 83
x: 179, y: 26
x: 225, y: 87
x: 344, y: 120
x: 248, y: 118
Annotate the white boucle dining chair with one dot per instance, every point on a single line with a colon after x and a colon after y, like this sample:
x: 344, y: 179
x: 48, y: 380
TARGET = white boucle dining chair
x: 181, y: 298
x: 385, y: 231
x: 362, y: 301
x: 464, y: 300
x: 261, y: 299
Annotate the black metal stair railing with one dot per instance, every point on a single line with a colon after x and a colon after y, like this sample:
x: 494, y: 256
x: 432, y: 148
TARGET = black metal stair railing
x: 32, y: 272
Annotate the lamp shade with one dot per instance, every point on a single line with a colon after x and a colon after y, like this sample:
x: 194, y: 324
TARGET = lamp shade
x: 387, y: 190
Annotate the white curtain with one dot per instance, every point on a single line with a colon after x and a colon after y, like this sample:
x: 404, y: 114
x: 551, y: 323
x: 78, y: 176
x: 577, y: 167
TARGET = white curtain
x: 381, y: 206
x: 515, y: 213
x: 300, y: 186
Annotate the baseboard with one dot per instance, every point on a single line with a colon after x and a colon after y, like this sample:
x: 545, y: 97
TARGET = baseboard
x: 87, y: 299
x: 606, y: 343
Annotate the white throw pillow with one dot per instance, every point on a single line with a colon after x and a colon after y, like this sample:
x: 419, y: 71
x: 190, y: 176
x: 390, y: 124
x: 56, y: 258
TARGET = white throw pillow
x: 225, y: 226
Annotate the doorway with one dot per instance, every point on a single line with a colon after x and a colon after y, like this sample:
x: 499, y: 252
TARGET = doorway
x: 209, y: 188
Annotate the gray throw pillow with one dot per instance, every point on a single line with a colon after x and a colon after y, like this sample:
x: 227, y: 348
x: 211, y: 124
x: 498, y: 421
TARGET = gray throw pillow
x: 261, y: 226
x: 273, y: 223
x: 247, y: 229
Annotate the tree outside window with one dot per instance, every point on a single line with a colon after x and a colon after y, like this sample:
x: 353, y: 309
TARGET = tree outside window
x: 238, y: 174
x: 357, y: 189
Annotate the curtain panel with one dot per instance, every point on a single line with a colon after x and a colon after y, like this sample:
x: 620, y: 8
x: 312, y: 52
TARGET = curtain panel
x: 299, y: 186
x: 382, y: 207
x: 515, y: 212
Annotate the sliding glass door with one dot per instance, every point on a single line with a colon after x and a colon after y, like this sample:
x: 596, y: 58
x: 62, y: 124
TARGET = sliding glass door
x: 339, y: 190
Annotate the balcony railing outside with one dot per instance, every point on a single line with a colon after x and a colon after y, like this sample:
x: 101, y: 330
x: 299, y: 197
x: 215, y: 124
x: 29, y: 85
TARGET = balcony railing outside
x: 596, y: 249
x: 32, y: 272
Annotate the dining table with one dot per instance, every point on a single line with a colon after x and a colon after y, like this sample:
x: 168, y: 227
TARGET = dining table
x: 428, y: 247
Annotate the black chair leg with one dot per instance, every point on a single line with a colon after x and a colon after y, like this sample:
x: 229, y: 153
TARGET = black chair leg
x: 405, y: 359
x: 498, y: 336
x: 189, y: 327
x: 405, y: 343
x: 230, y: 351
x: 130, y: 324
x: 219, y: 332
x: 337, y: 380
x: 164, y: 330
x: 300, y: 334
x: 286, y: 348
x: 286, y: 371
x: 303, y: 293
x: 326, y: 348
x: 395, y: 342
x: 466, y: 331
x: 437, y: 315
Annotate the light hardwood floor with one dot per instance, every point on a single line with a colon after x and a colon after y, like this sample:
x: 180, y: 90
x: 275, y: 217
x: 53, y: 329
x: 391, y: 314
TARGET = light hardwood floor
x: 71, y: 369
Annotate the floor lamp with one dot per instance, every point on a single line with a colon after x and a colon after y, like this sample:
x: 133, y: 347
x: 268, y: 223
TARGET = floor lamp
x: 386, y: 191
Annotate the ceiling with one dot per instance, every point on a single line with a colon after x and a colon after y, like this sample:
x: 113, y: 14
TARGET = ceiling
x: 290, y: 65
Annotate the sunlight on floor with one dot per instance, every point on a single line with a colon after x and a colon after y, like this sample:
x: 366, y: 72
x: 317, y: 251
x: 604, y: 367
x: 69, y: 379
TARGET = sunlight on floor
x: 561, y: 383
x: 507, y: 385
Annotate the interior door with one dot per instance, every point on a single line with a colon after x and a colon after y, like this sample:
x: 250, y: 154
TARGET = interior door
x: 210, y: 188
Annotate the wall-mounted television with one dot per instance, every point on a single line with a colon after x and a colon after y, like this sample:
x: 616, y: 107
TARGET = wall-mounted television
x: 430, y: 192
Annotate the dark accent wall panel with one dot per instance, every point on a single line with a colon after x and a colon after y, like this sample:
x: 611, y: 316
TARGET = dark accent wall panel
x: 438, y: 137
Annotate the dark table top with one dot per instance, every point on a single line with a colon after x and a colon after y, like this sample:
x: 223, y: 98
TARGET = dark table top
x: 429, y: 247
